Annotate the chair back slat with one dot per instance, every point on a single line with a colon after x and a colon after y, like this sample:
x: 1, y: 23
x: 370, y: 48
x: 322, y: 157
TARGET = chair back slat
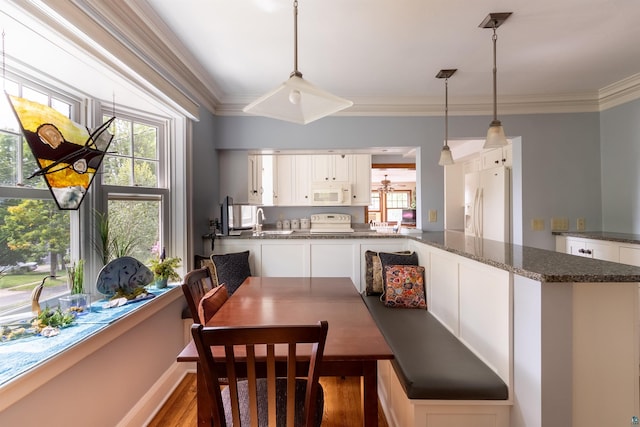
x: 195, y: 285
x: 258, y: 370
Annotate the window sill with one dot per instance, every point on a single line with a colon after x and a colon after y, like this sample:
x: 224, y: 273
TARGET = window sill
x: 28, y: 363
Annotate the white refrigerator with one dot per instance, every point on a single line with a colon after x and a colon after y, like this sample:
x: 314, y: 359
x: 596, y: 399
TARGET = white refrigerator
x: 487, y: 204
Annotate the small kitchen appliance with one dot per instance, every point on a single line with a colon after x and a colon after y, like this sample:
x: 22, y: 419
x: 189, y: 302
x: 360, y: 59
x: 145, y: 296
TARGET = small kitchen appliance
x: 331, y: 223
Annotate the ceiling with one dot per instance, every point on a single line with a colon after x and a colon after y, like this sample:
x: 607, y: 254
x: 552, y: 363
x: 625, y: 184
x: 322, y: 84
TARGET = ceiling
x: 384, y: 55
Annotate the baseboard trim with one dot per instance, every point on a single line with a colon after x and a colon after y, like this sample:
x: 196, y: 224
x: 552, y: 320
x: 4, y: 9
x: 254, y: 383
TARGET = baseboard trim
x: 148, y: 406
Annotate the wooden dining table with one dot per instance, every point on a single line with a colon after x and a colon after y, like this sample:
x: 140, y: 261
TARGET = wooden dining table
x: 354, y: 343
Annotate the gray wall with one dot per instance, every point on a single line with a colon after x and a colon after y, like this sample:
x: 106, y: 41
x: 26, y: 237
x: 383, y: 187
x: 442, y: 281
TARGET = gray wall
x: 620, y: 151
x: 204, y: 178
x: 560, y: 164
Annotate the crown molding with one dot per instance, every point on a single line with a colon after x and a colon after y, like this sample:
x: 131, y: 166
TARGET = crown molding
x: 130, y: 37
x: 76, y: 24
x: 621, y: 92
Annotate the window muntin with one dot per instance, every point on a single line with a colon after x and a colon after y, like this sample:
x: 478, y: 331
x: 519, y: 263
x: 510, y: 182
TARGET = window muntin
x: 134, y: 155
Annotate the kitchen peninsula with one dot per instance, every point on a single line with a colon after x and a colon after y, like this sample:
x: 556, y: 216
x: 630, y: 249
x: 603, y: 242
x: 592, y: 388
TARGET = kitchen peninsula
x: 560, y: 330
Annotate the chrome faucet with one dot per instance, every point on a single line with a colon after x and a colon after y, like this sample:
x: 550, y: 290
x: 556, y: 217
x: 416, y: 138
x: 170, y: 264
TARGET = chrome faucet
x: 258, y: 226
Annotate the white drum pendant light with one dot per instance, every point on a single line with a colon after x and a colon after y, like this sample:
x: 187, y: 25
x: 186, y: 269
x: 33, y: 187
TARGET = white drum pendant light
x: 495, y: 136
x: 445, y: 154
x: 297, y: 100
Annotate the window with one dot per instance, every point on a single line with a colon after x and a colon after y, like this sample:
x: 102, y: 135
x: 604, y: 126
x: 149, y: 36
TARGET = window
x: 387, y: 207
x: 35, y: 236
x: 135, y: 187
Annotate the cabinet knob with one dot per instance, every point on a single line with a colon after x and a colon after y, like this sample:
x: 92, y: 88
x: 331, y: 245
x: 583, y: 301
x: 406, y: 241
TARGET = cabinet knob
x: 588, y: 251
x: 496, y: 161
x: 581, y: 251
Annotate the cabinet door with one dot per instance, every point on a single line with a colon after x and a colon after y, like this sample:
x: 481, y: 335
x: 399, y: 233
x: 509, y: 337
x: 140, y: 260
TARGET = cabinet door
x: 342, y: 164
x: 361, y: 179
x: 255, y: 179
x: 334, y: 260
x: 285, y: 178
x: 284, y: 259
x: 576, y: 247
x: 602, y: 250
x: 492, y: 158
x: 321, y: 168
x: 630, y: 255
x: 331, y: 167
x: 302, y: 180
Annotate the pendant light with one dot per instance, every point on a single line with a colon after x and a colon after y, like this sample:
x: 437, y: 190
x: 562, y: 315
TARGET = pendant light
x: 445, y: 155
x: 495, y: 135
x: 297, y: 100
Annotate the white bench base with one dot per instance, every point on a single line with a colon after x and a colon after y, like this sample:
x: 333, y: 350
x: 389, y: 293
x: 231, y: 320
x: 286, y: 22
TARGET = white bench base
x: 401, y: 411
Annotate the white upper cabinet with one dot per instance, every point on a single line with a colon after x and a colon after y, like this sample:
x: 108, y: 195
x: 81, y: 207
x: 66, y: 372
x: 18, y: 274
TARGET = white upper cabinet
x: 287, y: 179
x: 330, y: 167
x: 361, y: 179
x: 262, y: 179
x: 497, y: 157
x: 293, y: 180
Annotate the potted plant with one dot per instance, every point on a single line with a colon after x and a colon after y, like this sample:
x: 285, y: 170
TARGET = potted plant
x: 163, y: 269
x: 77, y: 300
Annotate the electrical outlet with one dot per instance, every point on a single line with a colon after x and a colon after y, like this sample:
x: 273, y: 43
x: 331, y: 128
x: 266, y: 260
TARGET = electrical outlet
x: 560, y: 224
x: 581, y: 224
x: 433, y: 215
x: 537, y: 224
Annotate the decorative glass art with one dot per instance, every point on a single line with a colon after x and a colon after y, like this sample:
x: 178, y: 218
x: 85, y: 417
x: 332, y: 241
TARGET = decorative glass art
x: 67, y: 153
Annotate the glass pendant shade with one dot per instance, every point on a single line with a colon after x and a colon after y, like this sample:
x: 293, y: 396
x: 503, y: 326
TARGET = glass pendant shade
x: 297, y: 101
x: 495, y: 136
x: 446, y: 158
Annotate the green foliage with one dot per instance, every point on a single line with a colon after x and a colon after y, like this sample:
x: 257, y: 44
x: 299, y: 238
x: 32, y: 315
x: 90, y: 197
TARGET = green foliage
x: 53, y: 317
x: 114, y: 240
x: 76, y: 277
x: 34, y: 228
x: 165, y: 269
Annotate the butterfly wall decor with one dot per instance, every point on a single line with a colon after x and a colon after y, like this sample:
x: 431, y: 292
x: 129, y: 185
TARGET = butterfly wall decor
x: 68, y: 154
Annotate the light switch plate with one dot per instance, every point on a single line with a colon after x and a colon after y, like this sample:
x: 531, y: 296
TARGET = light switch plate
x: 537, y: 224
x: 559, y: 224
x: 581, y: 224
x: 433, y: 215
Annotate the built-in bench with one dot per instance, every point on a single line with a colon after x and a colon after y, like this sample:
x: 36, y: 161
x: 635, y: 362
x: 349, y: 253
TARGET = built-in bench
x: 434, y: 368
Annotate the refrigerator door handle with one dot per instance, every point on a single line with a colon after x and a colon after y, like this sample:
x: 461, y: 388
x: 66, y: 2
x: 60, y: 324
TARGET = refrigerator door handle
x: 476, y: 209
x: 480, y: 212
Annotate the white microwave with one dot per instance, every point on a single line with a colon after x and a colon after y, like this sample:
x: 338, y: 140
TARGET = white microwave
x: 331, y: 194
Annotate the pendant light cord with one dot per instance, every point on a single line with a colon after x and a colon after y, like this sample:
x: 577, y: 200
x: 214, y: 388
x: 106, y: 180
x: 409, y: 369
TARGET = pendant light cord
x: 295, y: 41
x: 495, y: 72
x: 446, y: 112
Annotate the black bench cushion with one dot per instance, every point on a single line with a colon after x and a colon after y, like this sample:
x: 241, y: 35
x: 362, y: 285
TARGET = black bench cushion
x: 431, y: 363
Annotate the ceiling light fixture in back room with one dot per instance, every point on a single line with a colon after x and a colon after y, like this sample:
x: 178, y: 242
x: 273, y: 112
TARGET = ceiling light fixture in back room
x: 445, y: 154
x: 297, y: 100
x: 495, y: 135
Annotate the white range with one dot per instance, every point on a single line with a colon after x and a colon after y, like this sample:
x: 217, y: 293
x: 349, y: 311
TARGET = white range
x: 331, y: 223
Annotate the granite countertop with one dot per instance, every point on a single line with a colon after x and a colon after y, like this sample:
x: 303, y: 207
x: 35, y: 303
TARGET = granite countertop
x: 602, y: 235
x: 537, y: 264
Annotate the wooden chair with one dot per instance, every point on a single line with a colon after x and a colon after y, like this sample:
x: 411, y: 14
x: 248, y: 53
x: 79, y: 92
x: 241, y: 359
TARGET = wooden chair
x: 260, y: 399
x: 196, y: 284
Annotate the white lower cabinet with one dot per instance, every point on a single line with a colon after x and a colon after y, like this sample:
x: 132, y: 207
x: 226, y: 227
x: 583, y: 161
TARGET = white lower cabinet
x: 589, y: 248
x: 284, y: 260
x: 329, y: 259
x: 630, y: 255
x: 308, y: 257
x: 624, y: 253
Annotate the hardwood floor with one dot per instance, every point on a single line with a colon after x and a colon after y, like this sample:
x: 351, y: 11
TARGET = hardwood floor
x: 341, y: 408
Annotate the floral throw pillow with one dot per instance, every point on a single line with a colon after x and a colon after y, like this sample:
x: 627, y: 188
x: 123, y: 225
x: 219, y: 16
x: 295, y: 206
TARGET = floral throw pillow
x: 373, y: 277
x: 404, y: 286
